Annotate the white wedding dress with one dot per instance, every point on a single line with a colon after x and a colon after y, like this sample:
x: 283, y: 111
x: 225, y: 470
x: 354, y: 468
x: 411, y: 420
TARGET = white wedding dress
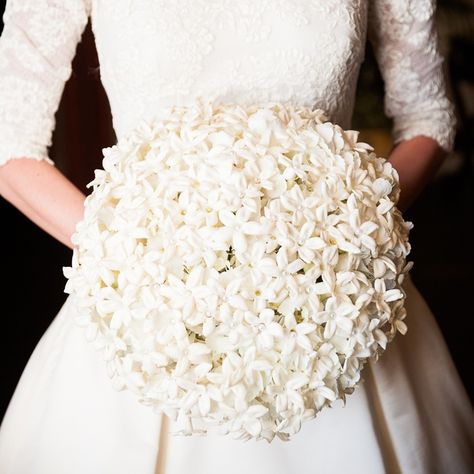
x: 411, y: 414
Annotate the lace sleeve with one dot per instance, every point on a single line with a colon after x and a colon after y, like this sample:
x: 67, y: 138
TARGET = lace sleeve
x: 37, y: 46
x: 405, y: 42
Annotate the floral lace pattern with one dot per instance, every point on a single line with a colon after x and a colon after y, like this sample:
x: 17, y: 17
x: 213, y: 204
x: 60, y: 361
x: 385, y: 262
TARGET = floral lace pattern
x: 36, y: 49
x: 243, y: 51
x: 406, y: 47
x: 156, y: 53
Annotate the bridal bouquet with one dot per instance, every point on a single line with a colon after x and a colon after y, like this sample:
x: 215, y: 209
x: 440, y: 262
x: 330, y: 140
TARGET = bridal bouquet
x: 238, y: 265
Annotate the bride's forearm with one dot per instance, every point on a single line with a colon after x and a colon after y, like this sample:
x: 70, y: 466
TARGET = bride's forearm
x: 417, y: 160
x: 43, y: 194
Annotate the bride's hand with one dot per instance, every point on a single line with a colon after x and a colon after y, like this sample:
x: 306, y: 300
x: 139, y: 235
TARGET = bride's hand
x: 417, y: 161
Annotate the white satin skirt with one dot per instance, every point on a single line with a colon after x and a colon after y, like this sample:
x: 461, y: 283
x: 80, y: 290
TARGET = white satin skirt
x: 410, y: 415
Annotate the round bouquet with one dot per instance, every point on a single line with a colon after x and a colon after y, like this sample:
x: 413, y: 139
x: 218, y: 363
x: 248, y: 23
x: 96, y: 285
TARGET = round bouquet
x: 238, y: 265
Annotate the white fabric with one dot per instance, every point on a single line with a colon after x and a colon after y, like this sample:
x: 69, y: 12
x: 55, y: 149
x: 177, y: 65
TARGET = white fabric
x: 411, y: 414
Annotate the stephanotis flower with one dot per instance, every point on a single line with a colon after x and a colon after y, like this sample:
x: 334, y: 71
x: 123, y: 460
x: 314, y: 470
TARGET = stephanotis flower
x: 238, y: 266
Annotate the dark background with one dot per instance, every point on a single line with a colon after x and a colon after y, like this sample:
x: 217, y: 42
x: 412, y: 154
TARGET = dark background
x: 442, y: 239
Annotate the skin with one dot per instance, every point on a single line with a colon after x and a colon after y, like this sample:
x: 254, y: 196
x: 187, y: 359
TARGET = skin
x: 417, y: 161
x: 44, y: 195
x: 49, y: 199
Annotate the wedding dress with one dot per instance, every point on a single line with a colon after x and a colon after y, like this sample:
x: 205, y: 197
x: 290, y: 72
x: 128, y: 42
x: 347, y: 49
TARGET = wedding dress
x: 411, y: 413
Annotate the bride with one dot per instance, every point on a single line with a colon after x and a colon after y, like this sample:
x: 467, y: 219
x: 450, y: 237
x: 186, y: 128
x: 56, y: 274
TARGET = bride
x: 411, y: 413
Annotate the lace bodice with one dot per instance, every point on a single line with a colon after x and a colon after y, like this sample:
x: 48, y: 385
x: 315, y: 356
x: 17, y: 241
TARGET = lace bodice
x: 155, y: 53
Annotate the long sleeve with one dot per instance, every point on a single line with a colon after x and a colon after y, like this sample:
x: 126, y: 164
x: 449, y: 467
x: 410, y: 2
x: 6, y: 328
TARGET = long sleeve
x: 405, y: 42
x: 37, y: 46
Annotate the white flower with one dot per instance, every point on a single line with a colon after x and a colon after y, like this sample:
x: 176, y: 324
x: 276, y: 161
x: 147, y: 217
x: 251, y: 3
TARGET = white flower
x: 238, y: 265
x: 266, y: 328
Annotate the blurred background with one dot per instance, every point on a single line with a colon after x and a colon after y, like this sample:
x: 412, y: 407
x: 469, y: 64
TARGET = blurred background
x: 442, y: 239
